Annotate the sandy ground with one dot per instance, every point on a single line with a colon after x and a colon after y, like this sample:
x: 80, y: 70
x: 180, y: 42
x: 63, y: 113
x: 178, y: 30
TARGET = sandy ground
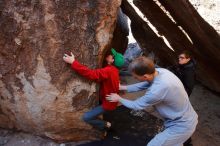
x: 207, y: 105
x: 205, y: 102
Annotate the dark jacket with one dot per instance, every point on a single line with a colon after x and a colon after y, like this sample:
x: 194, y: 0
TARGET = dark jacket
x: 186, y: 73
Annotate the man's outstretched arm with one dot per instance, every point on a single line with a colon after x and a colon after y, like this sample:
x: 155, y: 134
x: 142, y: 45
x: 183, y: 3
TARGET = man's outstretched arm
x: 140, y: 103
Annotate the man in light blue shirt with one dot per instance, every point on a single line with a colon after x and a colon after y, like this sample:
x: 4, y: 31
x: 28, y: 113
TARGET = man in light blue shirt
x: 167, y: 94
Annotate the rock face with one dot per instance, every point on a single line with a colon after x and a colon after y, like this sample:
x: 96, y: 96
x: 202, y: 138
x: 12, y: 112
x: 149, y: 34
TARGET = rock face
x: 186, y: 30
x: 120, y: 39
x: 38, y: 92
x: 205, y: 41
x: 148, y: 40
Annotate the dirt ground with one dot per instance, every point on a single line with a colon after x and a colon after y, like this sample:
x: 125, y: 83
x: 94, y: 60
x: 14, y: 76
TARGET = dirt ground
x: 205, y: 102
x: 207, y: 105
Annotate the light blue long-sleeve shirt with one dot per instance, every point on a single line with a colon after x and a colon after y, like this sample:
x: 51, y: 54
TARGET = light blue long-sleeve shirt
x: 166, y: 92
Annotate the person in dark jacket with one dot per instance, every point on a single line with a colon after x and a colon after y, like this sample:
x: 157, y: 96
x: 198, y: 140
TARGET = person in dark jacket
x: 185, y: 70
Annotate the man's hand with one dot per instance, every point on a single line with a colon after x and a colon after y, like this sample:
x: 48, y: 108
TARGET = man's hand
x: 113, y: 97
x: 122, y: 87
x: 69, y: 59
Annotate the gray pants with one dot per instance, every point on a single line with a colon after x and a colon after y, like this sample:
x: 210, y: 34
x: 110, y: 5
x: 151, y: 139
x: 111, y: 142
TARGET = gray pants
x: 170, y: 136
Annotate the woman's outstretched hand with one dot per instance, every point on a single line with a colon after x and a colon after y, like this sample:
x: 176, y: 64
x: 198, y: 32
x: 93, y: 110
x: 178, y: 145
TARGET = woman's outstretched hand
x: 69, y: 58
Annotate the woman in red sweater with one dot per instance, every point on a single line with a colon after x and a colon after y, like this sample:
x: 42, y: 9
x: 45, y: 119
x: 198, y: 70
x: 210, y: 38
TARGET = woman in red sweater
x: 108, y: 77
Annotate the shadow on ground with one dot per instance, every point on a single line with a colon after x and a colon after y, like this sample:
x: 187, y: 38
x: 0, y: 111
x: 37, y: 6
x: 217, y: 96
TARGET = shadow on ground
x: 130, y: 128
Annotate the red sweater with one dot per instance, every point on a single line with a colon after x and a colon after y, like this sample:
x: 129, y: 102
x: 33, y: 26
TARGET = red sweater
x: 108, y: 77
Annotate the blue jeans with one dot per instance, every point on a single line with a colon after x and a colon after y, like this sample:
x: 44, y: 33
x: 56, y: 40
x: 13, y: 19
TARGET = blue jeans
x: 91, y: 117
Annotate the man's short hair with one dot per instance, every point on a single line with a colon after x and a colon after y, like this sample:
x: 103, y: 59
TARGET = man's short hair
x: 142, y: 65
x: 187, y: 54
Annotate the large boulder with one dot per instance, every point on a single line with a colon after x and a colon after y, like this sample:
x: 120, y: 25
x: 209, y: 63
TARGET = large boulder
x: 152, y: 45
x: 120, y: 39
x: 39, y: 93
x: 204, y: 38
x: 184, y: 29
